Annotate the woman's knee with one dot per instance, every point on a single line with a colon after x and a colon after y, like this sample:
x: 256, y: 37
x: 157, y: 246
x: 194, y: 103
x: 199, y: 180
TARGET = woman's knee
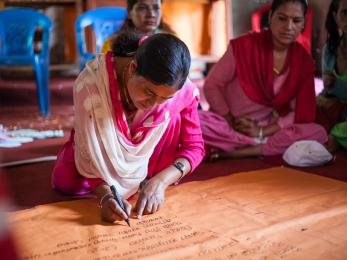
x: 318, y: 133
x: 68, y: 180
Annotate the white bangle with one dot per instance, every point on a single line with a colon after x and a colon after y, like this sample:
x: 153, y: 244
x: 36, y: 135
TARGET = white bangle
x: 261, y: 134
x: 103, y: 198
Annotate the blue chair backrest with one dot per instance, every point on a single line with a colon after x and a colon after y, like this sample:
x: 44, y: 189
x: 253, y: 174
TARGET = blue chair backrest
x: 17, y: 29
x: 104, y: 21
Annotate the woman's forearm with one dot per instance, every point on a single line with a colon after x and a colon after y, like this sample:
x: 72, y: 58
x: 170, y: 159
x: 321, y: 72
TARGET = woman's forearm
x: 229, y: 118
x: 270, y: 129
x: 171, y: 174
x: 101, y: 190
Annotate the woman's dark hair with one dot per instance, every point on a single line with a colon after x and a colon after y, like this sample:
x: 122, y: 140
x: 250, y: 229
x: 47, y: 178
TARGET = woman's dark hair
x: 277, y: 3
x: 333, y: 36
x: 162, y: 58
x: 131, y: 3
x: 128, y: 24
x: 125, y: 44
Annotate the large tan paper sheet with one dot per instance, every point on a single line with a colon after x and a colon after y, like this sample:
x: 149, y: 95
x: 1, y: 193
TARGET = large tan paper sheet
x: 277, y: 213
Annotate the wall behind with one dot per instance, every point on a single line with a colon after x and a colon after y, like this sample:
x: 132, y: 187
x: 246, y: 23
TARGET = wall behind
x: 241, y: 12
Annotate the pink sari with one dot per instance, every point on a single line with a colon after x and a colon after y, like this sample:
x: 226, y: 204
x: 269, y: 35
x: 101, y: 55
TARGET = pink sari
x: 106, y: 149
x: 285, y: 100
x: 254, y: 65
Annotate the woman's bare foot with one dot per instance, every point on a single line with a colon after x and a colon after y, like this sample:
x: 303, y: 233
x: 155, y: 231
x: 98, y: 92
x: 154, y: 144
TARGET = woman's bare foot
x: 249, y: 151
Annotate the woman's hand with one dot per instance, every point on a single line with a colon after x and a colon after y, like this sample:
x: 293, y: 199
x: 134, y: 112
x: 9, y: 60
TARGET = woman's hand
x: 111, y: 211
x: 151, y: 197
x: 329, y: 79
x: 247, y: 126
x: 229, y: 118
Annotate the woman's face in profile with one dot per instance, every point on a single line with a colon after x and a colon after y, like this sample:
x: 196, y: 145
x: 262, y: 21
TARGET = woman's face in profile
x: 143, y: 93
x: 146, y: 15
x: 341, y: 16
x: 287, y: 22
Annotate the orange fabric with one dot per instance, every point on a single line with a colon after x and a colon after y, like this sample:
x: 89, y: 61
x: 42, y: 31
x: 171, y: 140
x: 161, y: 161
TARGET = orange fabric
x: 275, y: 213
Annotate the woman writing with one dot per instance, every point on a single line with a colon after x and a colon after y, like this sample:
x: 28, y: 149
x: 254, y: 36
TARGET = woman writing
x: 261, y: 93
x: 135, y: 120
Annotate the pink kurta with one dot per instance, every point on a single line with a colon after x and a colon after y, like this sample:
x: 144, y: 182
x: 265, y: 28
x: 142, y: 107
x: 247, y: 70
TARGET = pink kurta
x: 225, y: 94
x: 182, y: 136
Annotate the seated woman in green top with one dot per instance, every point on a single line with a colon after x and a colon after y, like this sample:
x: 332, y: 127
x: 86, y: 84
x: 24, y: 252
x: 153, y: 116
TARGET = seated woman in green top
x: 332, y: 102
x: 144, y: 16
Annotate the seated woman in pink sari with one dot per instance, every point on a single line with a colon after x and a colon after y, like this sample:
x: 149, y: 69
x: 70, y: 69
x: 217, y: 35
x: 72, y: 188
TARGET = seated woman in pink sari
x: 136, y: 122
x: 261, y: 93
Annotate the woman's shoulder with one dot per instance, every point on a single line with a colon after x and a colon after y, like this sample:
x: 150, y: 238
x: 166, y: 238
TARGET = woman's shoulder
x: 189, y: 88
x: 251, y: 39
x: 299, y: 52
x: 95, y: 64
x: 92, y: 68
x: 248, y: 36
x: 107, y: 46
x: 188, y: 94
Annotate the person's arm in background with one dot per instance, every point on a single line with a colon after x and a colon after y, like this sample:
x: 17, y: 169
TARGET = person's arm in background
x: 221, y: 74
x: 250, y: 127
x: 190, y: 153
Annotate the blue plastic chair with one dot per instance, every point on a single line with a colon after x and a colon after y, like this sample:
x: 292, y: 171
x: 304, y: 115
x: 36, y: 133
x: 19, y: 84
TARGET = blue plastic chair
x: 104, y: 21
x: 17, y: 29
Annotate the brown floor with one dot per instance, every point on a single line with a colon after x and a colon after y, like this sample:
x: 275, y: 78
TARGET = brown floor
x: 30, y: 184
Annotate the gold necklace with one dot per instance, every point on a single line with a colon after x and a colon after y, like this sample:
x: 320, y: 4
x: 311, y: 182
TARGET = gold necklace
x: 277, y: 72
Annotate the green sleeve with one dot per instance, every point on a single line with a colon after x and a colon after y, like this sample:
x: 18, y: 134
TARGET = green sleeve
x: 339, y: 131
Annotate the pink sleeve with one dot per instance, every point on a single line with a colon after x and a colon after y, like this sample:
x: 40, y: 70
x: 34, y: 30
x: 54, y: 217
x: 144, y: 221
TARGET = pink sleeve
x: 286, y: 120
x: 191, y: 142
x: 217, y: 80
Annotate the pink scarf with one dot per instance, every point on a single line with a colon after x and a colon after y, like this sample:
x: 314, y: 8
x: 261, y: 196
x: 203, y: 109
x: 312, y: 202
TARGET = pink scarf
x: 254, y: 66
